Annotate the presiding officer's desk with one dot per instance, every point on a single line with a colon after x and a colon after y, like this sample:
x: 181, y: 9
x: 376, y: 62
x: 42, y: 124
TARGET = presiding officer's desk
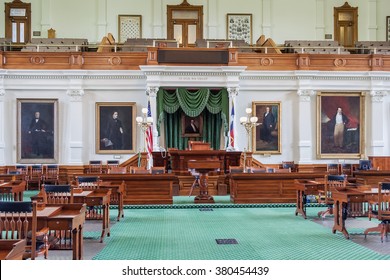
x: 267, y: 187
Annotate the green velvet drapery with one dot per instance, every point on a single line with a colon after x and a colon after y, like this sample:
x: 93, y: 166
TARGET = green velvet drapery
x: 212, y: 104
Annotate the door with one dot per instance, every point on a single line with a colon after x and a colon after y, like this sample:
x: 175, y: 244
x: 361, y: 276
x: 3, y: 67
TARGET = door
x: 346, y: 25
x: 185, y: 23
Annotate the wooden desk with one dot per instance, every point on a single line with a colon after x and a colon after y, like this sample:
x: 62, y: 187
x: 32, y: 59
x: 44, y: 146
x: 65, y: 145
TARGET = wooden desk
x: 143, y: 188
x: 304, y: 188
x: 341, y: 206
x: 12, y: 249
x: 117, y: 193
x: 65, y: 217
x: 371, y: 177
x: 93, y: 198
x: 16, y: 189
x: 267, y: 187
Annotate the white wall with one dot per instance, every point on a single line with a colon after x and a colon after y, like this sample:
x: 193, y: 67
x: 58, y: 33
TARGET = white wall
x: 279, y: 19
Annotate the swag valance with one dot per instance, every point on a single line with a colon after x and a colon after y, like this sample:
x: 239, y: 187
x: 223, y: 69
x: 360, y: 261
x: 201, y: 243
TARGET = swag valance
x: 193, y: 103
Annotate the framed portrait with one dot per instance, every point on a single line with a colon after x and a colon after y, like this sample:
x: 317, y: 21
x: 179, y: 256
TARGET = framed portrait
x: 115, y: 127
x: 239, y: 27
x: 37, y: 133
x: 267, y: 135
x: 340, y: 124
x: 388, y: 28
x: 191, y: 126
x: 129, y: 26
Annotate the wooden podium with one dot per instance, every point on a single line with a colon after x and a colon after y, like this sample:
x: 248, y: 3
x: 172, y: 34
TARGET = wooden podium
x: 203, y: 167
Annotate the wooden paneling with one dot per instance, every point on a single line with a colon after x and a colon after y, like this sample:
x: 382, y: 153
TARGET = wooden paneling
x: 371, y: 177
x: 254, y: 61
x: 266, y: 187
x: 383, y: 163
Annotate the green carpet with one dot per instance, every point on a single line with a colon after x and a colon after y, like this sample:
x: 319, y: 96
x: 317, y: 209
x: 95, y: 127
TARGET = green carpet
x: 261, y: 233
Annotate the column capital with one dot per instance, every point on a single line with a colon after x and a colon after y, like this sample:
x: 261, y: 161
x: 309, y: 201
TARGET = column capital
x: 378, y: 95
x: 75, y: 94
x: 152, y: 91
x: 233, y: 91
x: 2, y: 92
x: 305, y: 94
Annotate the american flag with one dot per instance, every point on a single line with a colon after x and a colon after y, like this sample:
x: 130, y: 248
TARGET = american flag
x: 149, y: 135
x: 231, y: 136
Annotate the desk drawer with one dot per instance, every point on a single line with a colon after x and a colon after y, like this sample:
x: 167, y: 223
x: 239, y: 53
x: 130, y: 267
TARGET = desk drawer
x: 91, y: 201
x: 58, y: 224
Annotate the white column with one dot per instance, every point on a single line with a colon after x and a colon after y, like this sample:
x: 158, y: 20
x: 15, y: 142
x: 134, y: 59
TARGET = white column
x: 152, y: 93
x: 212, y: 20
x: 372, y: 20
x: 376, y: 125
x: 305, y: 145
x: 267, y: 27
x: 320, y: 20
x: 45, y: 19
x: 75, y: 126
x: 2, y: 127
x: 233, y: 92
x: 101, y: 24
x: 158, y: 32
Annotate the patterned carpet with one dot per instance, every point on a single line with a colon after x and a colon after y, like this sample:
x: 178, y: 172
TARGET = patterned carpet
x: 185, y: 231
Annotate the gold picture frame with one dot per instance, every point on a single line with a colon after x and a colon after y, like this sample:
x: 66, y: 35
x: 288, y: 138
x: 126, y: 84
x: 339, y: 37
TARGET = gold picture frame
x: 266, y: 137
x: 340, y: 135
x: 129, y: 26
x: 187, y: 129
x: 37, y: 133
x: 388, y: 28
x: 239, y: 27
x: 115, y: 127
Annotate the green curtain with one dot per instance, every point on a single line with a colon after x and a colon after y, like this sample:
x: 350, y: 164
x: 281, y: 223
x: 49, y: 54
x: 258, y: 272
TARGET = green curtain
x: 212, y: 104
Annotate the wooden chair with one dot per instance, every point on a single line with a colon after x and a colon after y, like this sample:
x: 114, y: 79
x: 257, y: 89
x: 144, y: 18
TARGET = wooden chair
x: 157, y: 170
x: 35, y: 176
x: 289, y: 164
x: 236, y: 169
x: 138, y: 170
x: 95, y: 166
x: 346, y: 169
x: 117, y: 170
x: 383, y: 211
x: 258, y: 170
x: 57, y: 194
x: 365, y: 164
x: 19, y: 169
x: 333, y: 183
x: 111, y: 163
x: 333, y: 169
x: 282, y: 170
x: 51, y: 174
x: 87, y: 182
x: 19, y: 221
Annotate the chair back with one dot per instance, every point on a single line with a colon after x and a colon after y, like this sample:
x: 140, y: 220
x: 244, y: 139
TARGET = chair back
x: 138, y: 170
x: 236, y: 169
x: 117, y: 170
x: 17, y: 220
x: 58, y: 194
x: 384, y: 201
x: 288, y: 164
x: 333, y: 183
x: 258, y: 170
x: 51, y: 174
x: 333, y: 169
x: 158, y: 170
x: 111, y: 163
x: 282, y: 170
x: 346, y: 169
x: 88, y: 182
x: 365, y: 164
x: 95, y: 166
